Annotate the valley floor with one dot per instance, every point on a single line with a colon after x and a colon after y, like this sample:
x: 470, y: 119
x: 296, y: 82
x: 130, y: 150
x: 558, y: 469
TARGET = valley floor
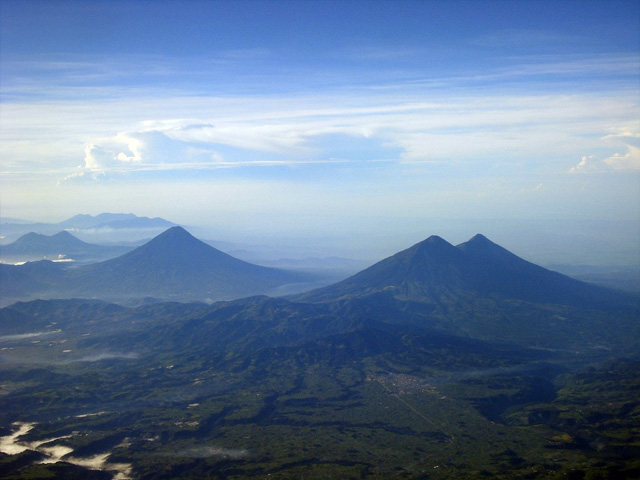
x: 181, y: 417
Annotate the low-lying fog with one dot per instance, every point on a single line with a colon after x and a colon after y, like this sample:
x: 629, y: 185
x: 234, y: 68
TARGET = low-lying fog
x: 55, y: 451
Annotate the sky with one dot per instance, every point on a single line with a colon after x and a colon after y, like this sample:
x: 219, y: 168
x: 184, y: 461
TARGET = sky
x: 361, y: 125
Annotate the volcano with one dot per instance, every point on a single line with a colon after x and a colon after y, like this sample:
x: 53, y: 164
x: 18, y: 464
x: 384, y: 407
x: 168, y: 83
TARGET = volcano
x: 177, y: 265
x: 435, y: 269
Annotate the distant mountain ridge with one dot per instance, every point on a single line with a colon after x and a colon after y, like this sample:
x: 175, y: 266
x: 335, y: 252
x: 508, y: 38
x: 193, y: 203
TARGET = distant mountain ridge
x: 97, y: 228
x: 114, y: 220
x: 434, y: 268
x: 85, y: 220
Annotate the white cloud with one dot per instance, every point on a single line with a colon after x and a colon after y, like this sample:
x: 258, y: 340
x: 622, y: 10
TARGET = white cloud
x: 486, y: 128
x: 532, y: 132
x: 626, y: 161
x: 587, y: 163
x: 105, y: 156
x: 120, y: 149
x: 628, y: 139
x: 266, y: 137
x: 626, y: 142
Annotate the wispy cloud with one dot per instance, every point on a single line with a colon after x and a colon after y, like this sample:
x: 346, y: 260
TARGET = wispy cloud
x: 525, y: 37
x: 254, y: 71
x: 542, y: 130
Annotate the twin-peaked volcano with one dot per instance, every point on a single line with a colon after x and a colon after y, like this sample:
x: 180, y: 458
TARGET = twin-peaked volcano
x: 178, y: 265
x: 32, y: 242
x: 35, y: 246
x: 434, y: 269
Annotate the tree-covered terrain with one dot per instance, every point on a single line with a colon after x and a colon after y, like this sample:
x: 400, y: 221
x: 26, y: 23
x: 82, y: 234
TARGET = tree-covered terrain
x: 436, y: 363
x: 263, y: 387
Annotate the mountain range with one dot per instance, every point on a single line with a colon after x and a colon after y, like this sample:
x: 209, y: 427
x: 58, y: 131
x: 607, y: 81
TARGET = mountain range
x: 475, y: 289
x: 174, y: 265
x: 102, y: 228
x: 113, y: 220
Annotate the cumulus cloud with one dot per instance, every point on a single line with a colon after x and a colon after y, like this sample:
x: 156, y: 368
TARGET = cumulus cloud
x: 587, y: 163
x: 143, y: 150
x: 628, y: 140
x: 626, y: 158
x: 625, y: 161
x: 187, y: 144
x: 121, y: 149
x: 109, y: 155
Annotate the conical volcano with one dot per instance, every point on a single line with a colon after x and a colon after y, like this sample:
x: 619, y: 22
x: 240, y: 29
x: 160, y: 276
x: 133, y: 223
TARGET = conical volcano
x: 175, y: 263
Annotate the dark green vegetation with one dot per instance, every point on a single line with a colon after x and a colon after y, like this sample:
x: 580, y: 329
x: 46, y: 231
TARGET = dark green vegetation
x: 440, y: 362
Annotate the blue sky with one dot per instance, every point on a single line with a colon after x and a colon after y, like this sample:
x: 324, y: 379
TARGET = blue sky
x: 321, y: 121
